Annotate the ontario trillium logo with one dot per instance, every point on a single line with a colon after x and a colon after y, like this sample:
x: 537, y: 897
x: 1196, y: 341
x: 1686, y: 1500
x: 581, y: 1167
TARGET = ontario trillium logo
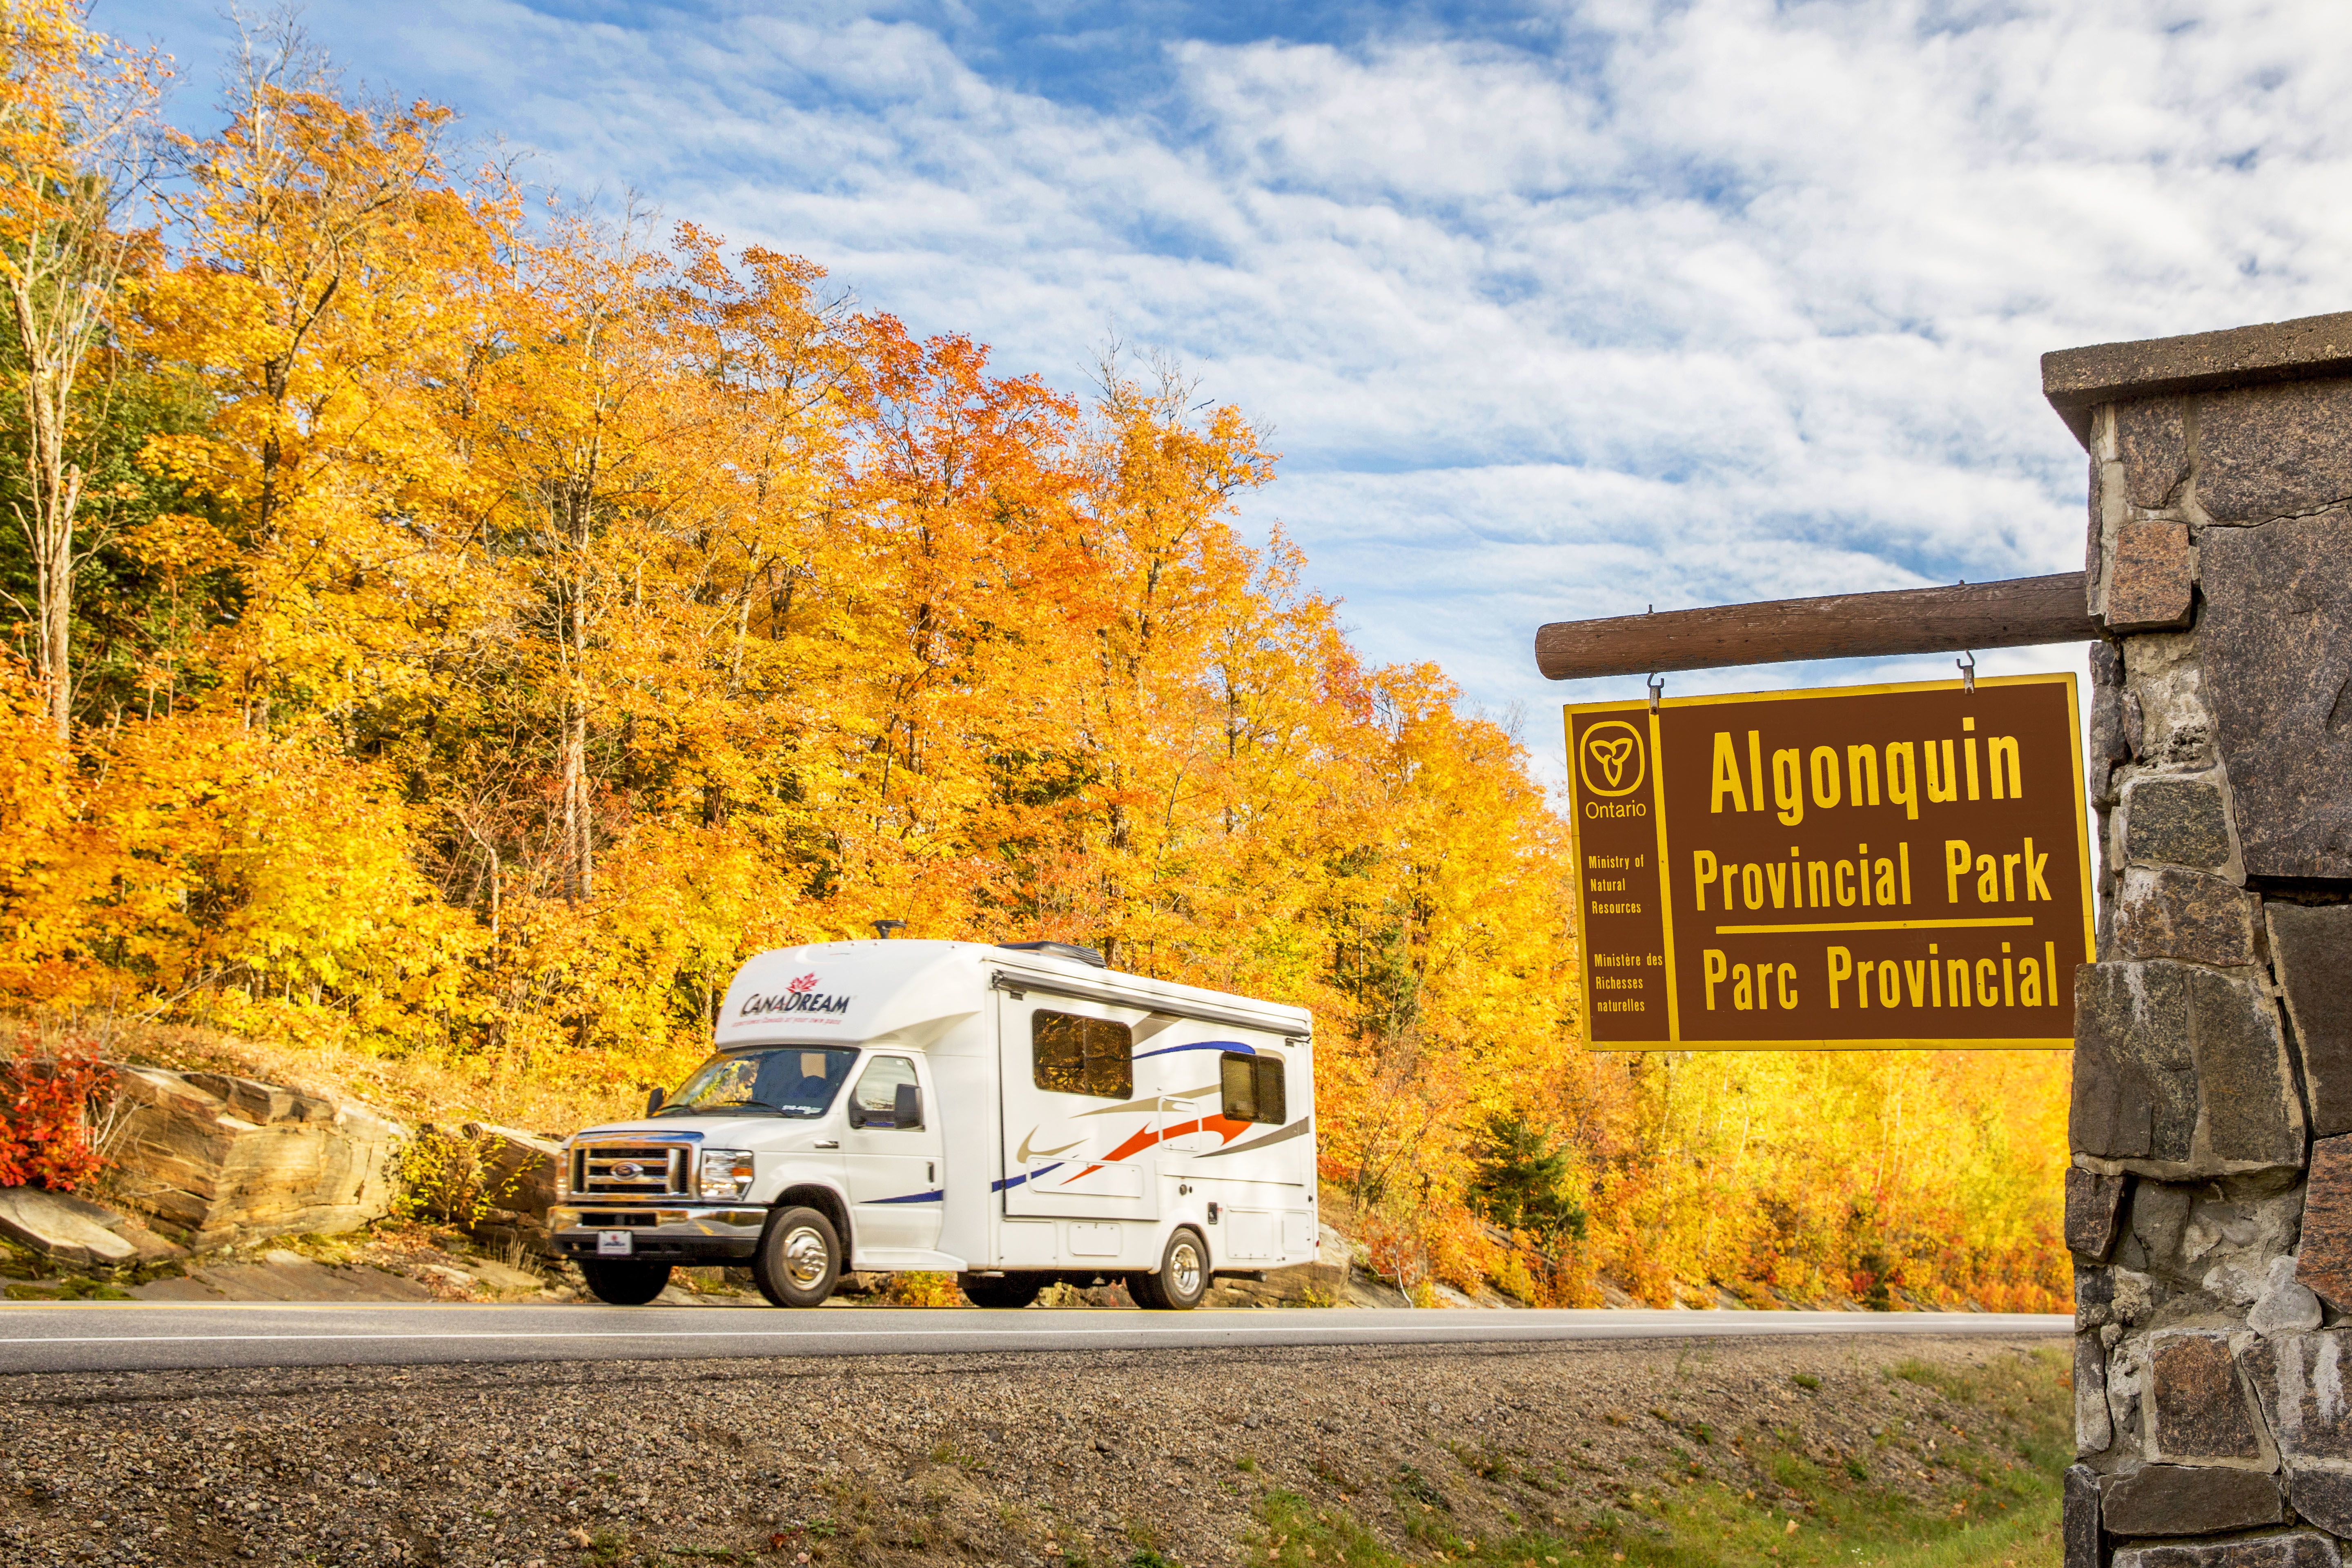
x: 1615, y: 761
x: 800, y: 995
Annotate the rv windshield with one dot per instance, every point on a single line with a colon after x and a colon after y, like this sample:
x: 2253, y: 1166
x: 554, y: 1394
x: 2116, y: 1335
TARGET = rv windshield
x: 782, y: 1080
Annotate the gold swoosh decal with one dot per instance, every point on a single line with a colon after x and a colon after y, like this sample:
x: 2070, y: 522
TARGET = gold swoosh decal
x: 1026, y: 1153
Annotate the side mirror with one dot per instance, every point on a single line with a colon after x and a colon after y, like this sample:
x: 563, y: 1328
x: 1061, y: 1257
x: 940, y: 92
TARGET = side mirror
x: 911, y: 1106
x: 654, y: 1098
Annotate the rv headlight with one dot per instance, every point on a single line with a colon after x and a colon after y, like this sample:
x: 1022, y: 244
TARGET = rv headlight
x: 564, y: 1175
x: 726, y: 1172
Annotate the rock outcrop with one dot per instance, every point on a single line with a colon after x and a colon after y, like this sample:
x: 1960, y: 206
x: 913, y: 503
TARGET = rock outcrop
x: 217, y: 1159
x: 75, y: 1230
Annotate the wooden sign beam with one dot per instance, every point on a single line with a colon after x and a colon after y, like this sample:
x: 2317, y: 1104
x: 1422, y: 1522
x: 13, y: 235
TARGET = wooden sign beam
x: 2013, y: 614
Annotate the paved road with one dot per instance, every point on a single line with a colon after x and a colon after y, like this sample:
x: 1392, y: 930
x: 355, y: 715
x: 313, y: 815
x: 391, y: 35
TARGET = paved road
x: 116, y: 1337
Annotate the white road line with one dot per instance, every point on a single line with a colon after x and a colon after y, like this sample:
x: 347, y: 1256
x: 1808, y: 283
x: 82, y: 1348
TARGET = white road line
x: 1482, y: 1330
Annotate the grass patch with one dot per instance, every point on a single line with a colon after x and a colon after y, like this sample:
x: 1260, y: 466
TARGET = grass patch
x: 1991, y: 1500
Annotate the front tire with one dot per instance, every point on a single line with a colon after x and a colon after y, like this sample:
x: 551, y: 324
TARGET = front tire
x: 1002, y: 1291
x: 1182, y: 1279
x: 622, y: 1284
x: 799, y: 1260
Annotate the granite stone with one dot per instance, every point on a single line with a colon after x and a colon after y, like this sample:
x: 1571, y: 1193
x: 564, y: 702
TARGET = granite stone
x: 2196, y: 1409
x: 2324, y: 1262
x: 2152, y: 439
x: 2299, y: 1380
x: 2152, y: 578
x: 2187, y: 1500
x: 2297, y: 1549
x: 2168, y: 914
x: 2275, y: 643
x: 2077, y: 381
x: 2094, y: 1204
x: 2311, y: 947
x: 2322, y: 1498
x: 2079, y: 1524
x: 2135, y: 1084
x: 2250, y: 1114
x: 2180, y: 822
x: 2273, y: 451
x: 2181, y: 1072
x: 2095, y: 1429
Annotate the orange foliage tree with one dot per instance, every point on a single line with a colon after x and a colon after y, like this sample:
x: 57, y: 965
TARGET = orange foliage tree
x: 531, y: 619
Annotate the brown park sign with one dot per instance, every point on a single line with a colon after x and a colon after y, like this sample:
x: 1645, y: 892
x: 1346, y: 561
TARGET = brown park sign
x: 1868, y: 866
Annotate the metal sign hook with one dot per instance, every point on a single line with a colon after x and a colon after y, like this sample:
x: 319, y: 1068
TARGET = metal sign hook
x: 1968, y: 664
x: 1657, y: 690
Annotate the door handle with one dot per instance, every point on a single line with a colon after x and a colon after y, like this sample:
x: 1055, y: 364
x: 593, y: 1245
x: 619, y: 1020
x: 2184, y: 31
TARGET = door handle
x: 828, y: 1144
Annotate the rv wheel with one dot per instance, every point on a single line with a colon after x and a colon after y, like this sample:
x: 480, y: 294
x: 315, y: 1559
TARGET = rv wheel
x: 624, y: 1284
x: 799, y: 1259
x: 1000, y: 1291
x: 1182, y: 1279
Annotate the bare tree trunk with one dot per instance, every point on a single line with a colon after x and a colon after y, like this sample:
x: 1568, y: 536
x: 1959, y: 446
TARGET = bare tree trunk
x: 578, y: 824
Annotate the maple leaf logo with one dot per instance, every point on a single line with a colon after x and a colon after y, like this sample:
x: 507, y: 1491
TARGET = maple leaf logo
x: 806, y: 983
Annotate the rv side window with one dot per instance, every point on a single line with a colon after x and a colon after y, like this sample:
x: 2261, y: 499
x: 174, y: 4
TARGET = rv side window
x: 1253, y: 1088
x: 1082, y: 1056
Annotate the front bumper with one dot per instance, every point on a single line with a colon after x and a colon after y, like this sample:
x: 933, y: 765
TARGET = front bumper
x: 665, y: 1235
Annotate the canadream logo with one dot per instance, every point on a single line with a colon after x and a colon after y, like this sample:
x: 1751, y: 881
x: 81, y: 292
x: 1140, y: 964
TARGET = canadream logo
x: 800, y: 995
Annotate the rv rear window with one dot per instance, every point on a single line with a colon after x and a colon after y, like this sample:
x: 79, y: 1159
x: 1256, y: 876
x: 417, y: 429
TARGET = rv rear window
x: 1082, y: 1056
x: 1253, y: 1088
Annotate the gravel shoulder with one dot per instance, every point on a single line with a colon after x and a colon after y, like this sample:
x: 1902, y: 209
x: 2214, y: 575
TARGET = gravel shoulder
x: 1033, y: 1459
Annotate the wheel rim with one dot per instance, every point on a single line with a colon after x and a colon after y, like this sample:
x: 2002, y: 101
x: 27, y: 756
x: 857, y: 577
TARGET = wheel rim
x: 806, y: 1257
x: 1184, y: 1267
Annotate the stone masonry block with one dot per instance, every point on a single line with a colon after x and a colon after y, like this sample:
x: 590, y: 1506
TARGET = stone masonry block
x: 2275, y: 644
x: 2152, y: 439
x: 2197, y: 1411
x: 2273, y: 451
x: 2298, y: 1380
x: 2095, y: 1427
x: 2180, y: 822
x: 2297, y: 1549
x: 2180, y: 1072
x: 2080, y: 1522
x: 2324, y: 1259
x: 2312, y: 947
x: 2185, y: 1500
x: 2094, y: 1204
x: 2135, y: 1084
x: 2322, y: 1498
x: 2151, y: 578
x: 2166, y: 913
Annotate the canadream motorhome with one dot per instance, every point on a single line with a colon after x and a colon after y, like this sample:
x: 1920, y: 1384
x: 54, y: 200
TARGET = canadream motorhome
x: 1015, y: 1115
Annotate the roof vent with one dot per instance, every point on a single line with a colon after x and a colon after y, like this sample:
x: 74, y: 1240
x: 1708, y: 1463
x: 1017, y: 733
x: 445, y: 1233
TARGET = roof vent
x: 1057, y: 950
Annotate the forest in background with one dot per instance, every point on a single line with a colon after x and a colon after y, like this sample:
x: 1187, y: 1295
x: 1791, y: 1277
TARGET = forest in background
x: 451, y: 627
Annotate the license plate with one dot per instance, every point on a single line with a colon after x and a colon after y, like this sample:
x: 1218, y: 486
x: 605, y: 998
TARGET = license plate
x: 614, y: 1243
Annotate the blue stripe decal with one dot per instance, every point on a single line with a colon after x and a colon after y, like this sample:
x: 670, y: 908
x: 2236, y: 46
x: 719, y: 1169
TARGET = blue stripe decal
x: 936, y: 1195
x: 1233, y: 1045
x: 1017, y: 1181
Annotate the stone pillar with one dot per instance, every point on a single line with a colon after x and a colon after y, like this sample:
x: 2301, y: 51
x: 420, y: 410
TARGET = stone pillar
x: 2209, y: 1203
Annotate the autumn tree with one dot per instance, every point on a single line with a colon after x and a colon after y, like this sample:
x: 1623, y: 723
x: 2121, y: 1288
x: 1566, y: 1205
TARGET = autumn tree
x: 77, y: 116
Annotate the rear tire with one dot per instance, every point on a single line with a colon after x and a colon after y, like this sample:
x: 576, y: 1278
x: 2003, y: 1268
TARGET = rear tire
x: 1005, y: 1290
x: 622, y: 1284
x: 799, y: 1260
x: 1182, y: 1279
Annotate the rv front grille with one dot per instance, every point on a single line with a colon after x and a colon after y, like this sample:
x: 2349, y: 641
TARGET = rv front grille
x: 631, y: 1169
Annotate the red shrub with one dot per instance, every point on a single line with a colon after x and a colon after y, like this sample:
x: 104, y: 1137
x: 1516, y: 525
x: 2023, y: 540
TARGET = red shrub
x: 45, y: 1119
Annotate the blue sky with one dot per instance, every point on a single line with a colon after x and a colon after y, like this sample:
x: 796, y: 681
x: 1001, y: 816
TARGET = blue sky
x: 1554, y: 311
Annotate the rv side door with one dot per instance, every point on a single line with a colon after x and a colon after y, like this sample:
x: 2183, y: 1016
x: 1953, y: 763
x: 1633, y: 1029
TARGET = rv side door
x: 1079, y: 1138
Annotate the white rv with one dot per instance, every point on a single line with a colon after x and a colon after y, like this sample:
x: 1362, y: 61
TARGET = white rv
x: 1015, y: 1115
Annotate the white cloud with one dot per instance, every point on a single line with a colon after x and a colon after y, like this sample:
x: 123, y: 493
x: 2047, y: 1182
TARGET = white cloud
x: 1713, y: 300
